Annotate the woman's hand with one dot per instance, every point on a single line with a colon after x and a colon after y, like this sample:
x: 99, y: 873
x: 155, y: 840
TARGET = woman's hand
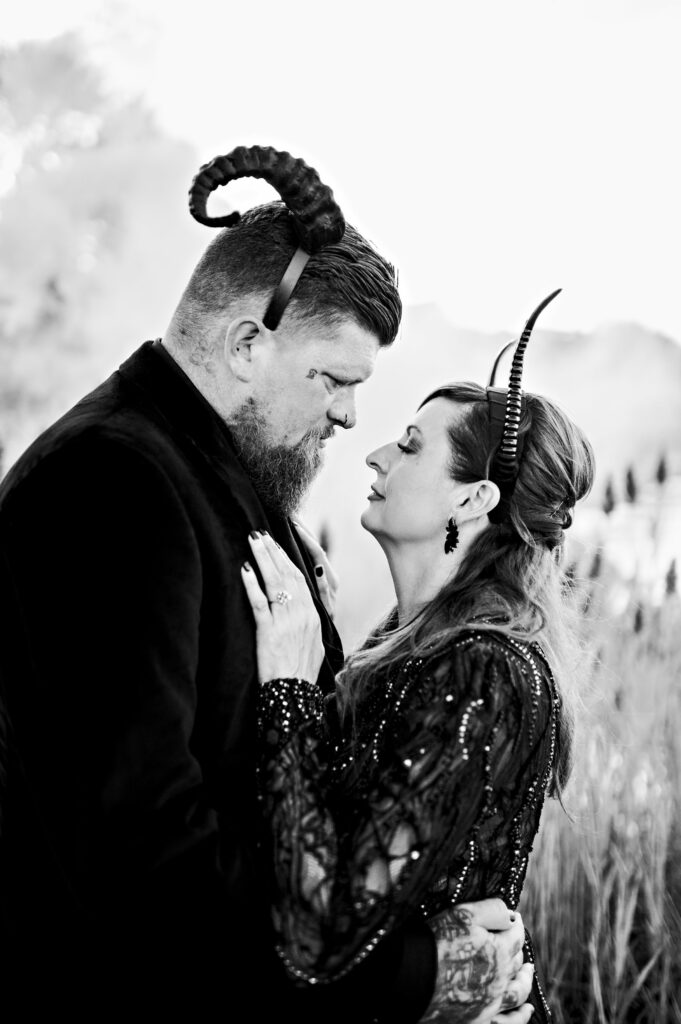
x: 327, y: 580
x: 288, y: 632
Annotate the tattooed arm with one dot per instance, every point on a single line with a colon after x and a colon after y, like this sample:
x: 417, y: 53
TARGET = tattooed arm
x: 481, y: 976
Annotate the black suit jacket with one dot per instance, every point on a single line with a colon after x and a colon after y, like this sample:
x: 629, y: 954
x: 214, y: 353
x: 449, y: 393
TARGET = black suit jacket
x: 130, y: 854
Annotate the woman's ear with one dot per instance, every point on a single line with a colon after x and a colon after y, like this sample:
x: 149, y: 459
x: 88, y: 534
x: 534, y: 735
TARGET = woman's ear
x: 477, y: 500
x: 242, y: 336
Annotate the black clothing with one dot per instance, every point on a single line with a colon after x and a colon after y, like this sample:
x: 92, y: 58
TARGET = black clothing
x: 130, y: 871
x: 434, y: 800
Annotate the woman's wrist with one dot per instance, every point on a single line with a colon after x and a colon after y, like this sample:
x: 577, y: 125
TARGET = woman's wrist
x: 285, y: 703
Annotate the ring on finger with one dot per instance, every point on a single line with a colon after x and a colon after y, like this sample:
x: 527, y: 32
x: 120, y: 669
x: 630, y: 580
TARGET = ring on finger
x: 282, y: 597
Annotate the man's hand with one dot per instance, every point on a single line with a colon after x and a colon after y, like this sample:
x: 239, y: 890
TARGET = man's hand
x: 481, y: 977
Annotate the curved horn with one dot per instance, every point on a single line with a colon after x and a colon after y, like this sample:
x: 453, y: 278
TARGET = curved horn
x: 317, y: 217
x: 505, y: 461
x: 500, y: 355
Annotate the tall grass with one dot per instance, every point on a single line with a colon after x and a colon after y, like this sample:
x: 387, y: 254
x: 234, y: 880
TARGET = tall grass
x: 603, y: 893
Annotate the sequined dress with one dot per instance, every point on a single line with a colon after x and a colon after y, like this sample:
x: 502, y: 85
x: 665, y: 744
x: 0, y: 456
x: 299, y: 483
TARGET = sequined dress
x: 435, y: 798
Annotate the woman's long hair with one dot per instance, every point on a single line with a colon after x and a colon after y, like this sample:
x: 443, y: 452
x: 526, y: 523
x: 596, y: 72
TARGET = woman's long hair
x: 510, y: 579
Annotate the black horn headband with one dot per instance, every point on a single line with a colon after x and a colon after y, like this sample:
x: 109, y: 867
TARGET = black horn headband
x: 317, y: 218
x: 505, y: 409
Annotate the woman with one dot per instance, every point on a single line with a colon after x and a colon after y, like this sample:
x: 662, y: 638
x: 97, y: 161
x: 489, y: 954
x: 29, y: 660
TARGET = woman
x: 422, y: 787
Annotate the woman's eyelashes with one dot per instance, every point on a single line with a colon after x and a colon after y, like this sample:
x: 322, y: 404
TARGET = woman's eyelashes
x: 409, y: 448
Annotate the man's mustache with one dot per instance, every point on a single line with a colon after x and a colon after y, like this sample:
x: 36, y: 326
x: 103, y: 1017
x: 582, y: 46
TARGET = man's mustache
x: 317, y: 434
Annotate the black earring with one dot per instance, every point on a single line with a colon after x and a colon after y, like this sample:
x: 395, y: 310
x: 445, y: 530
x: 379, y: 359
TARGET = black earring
x: 452, y: 536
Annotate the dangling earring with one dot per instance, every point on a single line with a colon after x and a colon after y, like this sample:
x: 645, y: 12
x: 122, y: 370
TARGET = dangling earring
x: 451, y: 536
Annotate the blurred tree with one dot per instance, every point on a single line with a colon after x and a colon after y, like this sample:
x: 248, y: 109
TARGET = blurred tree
x: 51, y: 114
x: 609, y: 498
x: 630, y: 487
x: 89, y: 185
x: 661, y: 471
x: 670, y: 579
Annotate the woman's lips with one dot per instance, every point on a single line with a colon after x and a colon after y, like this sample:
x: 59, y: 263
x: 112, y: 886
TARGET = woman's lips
x: 375, y: 496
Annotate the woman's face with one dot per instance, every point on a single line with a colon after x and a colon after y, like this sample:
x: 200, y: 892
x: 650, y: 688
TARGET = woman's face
x: 414, y: 495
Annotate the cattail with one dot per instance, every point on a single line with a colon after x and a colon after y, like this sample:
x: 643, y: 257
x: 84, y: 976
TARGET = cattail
x: 638, y: 619
x: 596, y: 566
x: 609, y: 498
x: 670, y: 579
x: 631, y: 488
x: 661, y: 471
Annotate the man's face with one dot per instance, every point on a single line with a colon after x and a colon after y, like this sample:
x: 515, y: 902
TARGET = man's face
x: 308, y: 378
x: 303, y: 386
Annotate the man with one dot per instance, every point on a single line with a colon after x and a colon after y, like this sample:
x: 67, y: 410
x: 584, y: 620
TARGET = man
x: 130, y: 852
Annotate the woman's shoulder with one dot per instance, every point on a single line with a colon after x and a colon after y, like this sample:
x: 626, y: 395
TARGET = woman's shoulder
x: 490, y: 642
x: 478, y: 658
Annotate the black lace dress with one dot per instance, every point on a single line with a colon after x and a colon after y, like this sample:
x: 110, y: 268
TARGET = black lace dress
x: 434, y: 800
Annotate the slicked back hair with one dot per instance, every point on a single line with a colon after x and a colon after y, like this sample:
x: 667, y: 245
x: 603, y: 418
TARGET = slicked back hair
x: 347, y: 280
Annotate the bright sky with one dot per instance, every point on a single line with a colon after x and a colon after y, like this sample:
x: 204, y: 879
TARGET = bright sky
x: 495, y: 150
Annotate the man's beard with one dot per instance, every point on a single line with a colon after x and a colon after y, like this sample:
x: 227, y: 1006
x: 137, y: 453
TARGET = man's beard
x: 280, y: 474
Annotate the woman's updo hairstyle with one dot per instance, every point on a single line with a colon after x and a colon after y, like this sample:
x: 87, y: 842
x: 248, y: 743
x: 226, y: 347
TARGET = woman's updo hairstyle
x: 509, y: 579
x: 555, y: 470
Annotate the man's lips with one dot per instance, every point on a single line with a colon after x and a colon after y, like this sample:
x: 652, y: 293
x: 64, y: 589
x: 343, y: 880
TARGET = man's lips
x: 375, y: 495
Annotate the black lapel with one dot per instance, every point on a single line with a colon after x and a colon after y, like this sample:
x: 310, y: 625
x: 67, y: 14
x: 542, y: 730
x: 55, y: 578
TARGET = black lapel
x: 190, y: 419
x: 330, y: 636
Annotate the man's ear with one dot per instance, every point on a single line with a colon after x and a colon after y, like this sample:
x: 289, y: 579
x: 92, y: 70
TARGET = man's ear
x: 478, y: 500
x: 242, y: 336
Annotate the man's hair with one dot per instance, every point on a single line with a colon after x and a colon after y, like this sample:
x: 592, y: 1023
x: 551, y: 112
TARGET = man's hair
x: 347, y: 280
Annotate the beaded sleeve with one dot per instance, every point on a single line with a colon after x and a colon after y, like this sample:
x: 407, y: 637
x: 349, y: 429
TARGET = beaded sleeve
x: 446, y: 771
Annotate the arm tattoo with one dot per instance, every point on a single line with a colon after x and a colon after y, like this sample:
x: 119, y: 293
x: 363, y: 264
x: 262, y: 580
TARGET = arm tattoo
x: 311, y: 374
x: 467, y: 971
x: 453, y: 924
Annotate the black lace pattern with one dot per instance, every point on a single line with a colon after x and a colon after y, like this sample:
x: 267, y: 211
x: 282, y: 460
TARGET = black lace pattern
x: 432, y: 798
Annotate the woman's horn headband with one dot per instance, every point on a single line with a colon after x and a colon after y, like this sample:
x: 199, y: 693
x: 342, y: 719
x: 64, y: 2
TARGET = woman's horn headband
x: 317, y: 218
x: 505, y: 409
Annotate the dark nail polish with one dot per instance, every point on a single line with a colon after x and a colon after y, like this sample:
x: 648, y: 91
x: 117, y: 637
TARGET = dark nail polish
x: 247, y: 567
x: 254, y: 535
x: 263, y: 533
x: 319, y: 569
